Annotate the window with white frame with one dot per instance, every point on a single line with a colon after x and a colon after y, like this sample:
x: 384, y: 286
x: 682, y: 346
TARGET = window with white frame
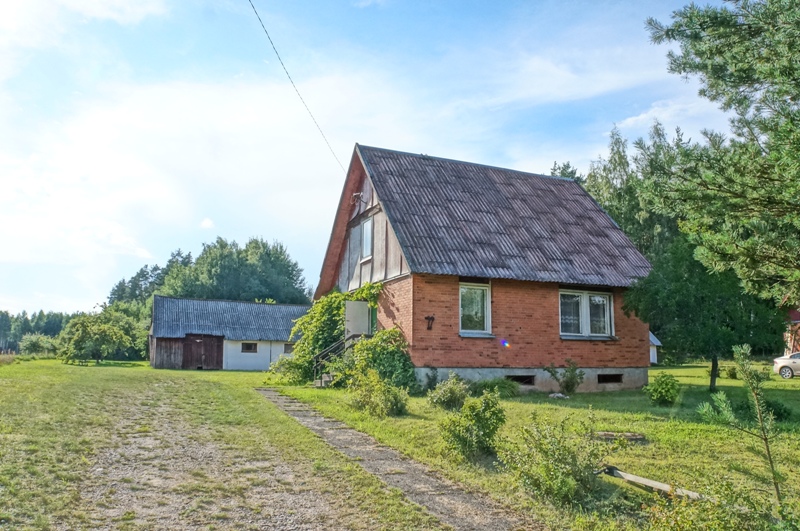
x: 586, y: 313
x: 366, y: 238
x: 475, y: 308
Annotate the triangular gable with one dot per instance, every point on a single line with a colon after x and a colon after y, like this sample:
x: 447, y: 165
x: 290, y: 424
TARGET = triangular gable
x: 359, y: 200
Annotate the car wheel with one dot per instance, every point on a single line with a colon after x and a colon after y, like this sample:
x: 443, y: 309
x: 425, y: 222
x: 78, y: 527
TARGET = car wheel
x: 786, y: 372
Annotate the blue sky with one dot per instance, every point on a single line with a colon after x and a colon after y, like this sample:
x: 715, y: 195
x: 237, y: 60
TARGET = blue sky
x: 131, y: 128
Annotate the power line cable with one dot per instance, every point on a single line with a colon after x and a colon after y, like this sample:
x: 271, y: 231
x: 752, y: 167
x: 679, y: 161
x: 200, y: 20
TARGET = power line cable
x: 295, y: 86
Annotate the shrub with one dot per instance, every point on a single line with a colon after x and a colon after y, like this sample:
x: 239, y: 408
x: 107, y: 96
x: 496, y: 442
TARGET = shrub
x: 32, y: 344
x: 504, y: 387
x: 746, y: 409
x: 449, y: 394
x: 730, y: 372
x: 552, y: 461
x: 318, y: 329
x: 568, y: 379
x: 664, y: 389
x: 472, y: 431
x: 431, y: 379
x: 6, y: 359
x: 372, y: 394
x: 726, y: 508
x: 387, y: 353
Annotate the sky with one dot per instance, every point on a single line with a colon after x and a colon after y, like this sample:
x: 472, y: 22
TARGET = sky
x: 133, y: 128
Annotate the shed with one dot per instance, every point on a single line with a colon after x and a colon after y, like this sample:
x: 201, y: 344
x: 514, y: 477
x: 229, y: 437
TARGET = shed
x: 655, y: 344
x: 218, y: 334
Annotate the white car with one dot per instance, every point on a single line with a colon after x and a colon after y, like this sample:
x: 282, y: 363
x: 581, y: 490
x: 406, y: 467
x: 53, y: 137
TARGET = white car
x: 787, y: 366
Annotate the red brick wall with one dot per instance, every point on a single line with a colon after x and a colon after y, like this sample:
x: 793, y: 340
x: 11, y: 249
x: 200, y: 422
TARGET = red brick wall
x: 395, y: 306
x: 523, y: 313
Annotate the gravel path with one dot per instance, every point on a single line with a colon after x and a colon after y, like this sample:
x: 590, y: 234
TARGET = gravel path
x: 442, y: 498
x: 163, y: 474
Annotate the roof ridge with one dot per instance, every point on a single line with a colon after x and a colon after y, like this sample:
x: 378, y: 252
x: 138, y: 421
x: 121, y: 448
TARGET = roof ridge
x: 229, y: 300
x: 445, y: 159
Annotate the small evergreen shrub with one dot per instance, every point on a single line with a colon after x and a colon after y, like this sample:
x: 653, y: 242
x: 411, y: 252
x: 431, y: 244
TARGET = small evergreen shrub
x: 472, y: 431
x: 568, y: 379
x: 449, y: 394
x: 730, y: 372
x: 554, y: 461
x: 664, y: 390
x: 431, y: 379
x: 505, y: 388
x: 372, y: 394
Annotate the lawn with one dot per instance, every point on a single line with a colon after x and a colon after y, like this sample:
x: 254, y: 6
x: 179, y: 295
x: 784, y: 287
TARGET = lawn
x: 681, y: 449
x: 125, y: 446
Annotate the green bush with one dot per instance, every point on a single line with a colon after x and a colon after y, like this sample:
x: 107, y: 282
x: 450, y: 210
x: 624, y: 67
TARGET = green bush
x: 726, y: 508
x: 318, y: 329
x: 664, y: 389
x: 372, y: 394
x: 746, y: 409
x: 504, y: 387
x: 568, y: 379
x: 730, y: 372
x: 431, y: 379
x: 33, y: 344
x: 387, y: 353
x: 449, y: 394
x: 553, y: 461
x: 472, y: 431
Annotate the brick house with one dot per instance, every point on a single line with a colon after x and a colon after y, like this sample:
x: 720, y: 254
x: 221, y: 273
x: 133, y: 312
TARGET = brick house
x: 489, y: 272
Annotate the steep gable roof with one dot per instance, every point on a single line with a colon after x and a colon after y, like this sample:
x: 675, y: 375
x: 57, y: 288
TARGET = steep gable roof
x: 235, y: 320
x: 460, y: 218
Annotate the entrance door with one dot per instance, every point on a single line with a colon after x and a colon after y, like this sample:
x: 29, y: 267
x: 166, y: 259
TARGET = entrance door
x: 202, y: 352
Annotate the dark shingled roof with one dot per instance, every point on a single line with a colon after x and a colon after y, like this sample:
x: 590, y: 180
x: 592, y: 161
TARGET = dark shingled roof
x: 235, y: 320
x: 459, y: 218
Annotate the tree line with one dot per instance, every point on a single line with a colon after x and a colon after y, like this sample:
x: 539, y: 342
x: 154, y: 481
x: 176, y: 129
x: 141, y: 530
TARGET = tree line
x: 258, y: 271
x: 719, y: 218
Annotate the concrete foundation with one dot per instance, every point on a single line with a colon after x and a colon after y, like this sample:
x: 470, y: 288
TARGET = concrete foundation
x: 594, y: 380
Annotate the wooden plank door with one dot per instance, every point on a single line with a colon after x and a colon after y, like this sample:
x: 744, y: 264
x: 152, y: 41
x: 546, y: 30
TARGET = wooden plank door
x: 202, y: 352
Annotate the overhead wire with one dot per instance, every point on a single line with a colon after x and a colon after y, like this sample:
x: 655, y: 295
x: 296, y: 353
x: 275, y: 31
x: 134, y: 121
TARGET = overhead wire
x: 325, y: 138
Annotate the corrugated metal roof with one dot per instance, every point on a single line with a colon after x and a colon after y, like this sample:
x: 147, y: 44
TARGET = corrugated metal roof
x: 654, y: 340
x: 234, y: 320
x: 460, y: 218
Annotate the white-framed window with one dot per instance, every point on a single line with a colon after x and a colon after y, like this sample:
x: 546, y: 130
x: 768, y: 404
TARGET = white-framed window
x: 250, y: 347
x: 366, y: 238
x: 475, y: 304
x: 586, y: 313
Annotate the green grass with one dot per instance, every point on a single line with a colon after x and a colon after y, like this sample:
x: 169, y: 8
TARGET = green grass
x: 682, y: 450
x: 55, y: 418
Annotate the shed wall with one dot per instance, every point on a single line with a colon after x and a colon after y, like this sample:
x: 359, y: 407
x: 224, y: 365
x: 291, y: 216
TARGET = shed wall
x: 234, y: 359
x: 166, y: 353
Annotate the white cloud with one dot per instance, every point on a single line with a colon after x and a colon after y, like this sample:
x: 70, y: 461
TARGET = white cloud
x: 687, y: 111
x: 207, y: 223
x: 26, y: 24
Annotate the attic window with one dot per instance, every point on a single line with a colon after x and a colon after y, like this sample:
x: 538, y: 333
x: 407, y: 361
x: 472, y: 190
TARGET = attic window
x: 366, y: 238
x: 288, y: 348
x: 249, y: 347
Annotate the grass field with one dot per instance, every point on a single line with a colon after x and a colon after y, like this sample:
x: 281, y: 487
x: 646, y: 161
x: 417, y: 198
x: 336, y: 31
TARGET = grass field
x: 681, y: 450
x: 207, y: 451
x: 81, y: 447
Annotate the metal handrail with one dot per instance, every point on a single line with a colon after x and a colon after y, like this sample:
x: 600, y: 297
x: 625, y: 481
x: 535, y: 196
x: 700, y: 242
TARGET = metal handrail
x: 335, y: 350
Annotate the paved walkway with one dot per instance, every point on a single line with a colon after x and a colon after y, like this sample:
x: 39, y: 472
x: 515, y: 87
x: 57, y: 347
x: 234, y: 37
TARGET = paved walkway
x: 442, y: 498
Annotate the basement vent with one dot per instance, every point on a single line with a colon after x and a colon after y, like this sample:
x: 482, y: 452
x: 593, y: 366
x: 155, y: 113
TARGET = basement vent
x: 522, y: 379
x: 609, y: 378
